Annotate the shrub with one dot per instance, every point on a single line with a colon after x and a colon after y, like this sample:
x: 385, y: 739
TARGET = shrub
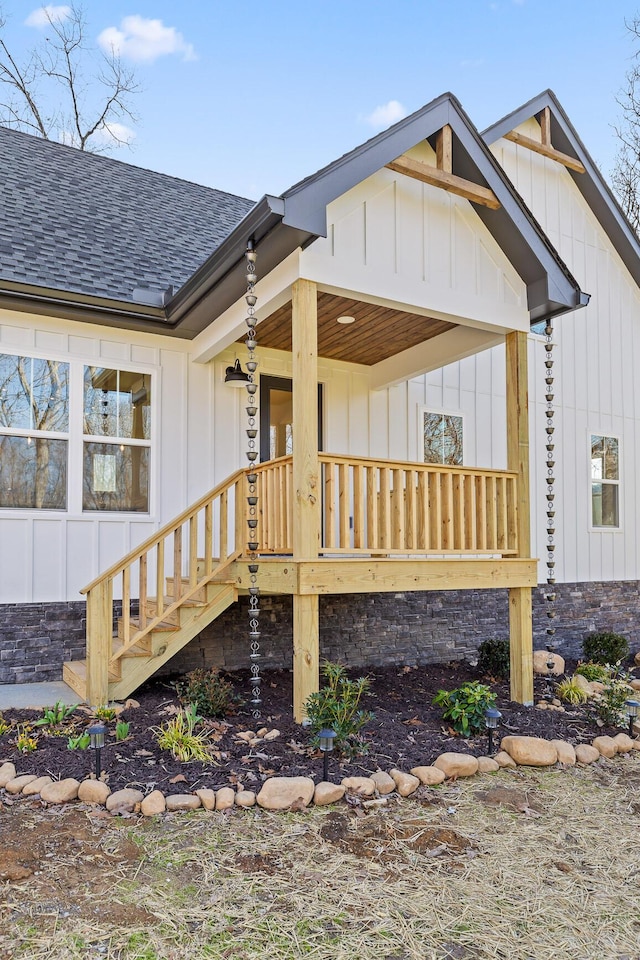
x: 605, y: 647
x: 571, y: 692
x: 465, y: 706
x: 212, y: 695
x: 180, y: 737
x: 494, y: 658
x: 337, y: 707
x: 610, y: 704
x: 593, y: 671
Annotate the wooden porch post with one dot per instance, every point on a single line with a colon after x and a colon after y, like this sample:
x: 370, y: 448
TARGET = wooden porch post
x: 99, y: 630
x: 306, y: 485
x: 520, y: 609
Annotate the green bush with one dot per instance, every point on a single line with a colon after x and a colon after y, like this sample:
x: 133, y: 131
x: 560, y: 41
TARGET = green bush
x: 465, y: 706
x: 610, y: 704
x: 179, y: 736
x: 494, y: 658
x: 593, y: 671
x: 212, y: 695
x: 337, y: 707
x: 571, y: 692
x: 605, y: 647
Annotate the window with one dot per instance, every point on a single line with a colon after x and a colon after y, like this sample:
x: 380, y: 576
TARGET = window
x: 605, y: 481
x: 442, y: 438
x: 117, y: 434
x: 34, y: 425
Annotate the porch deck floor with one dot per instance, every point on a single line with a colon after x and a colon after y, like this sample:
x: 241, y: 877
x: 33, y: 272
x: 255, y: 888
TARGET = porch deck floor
x: 25, y: 696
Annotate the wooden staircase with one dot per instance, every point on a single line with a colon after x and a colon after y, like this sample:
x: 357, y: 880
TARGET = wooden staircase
x: 187, y: 564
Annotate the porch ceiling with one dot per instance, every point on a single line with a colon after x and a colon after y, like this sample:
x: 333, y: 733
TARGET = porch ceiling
x: 378, y: 332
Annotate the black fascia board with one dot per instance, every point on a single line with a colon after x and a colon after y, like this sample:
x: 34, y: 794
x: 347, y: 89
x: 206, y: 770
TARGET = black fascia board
x: 512, y: 225
x: 591, y: 184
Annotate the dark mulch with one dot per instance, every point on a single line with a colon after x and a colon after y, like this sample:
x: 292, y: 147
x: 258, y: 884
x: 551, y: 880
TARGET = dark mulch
x: 407, y: 731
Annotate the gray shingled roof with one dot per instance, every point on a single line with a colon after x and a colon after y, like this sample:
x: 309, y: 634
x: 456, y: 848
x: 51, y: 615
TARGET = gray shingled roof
x: 89, y: 224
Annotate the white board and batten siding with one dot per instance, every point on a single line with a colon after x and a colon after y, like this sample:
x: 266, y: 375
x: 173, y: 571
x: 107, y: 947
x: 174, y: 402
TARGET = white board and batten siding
x: 48, y: 555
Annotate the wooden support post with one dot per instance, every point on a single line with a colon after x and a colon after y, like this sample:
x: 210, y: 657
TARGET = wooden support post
x: 99, y: 633
x: 306, y: 652
x: 306, y: 486
x: 520, y: 615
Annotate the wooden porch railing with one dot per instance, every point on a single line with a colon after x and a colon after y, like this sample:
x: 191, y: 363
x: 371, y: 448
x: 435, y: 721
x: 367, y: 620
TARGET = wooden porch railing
x: 211, y: 530
x: 395, y: 507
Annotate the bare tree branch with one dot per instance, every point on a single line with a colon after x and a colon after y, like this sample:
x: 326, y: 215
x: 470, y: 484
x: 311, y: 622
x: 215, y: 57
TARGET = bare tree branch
x: 626, y: 174
x: 58, y: 93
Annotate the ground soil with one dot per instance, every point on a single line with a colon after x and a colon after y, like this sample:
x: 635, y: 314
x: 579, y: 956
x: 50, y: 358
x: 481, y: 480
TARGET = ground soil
x: 407, y: 730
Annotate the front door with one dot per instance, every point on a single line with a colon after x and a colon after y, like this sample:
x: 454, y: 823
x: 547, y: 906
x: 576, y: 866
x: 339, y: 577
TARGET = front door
x: 276, y: 417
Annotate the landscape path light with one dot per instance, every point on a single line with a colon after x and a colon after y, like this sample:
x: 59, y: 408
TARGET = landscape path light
x: 97, y: 734
x: 492, y: 718
x: 325, y: 742
x: 633, y: 708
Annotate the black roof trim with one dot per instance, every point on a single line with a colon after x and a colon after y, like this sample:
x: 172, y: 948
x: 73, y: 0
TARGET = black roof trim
x: 591, y: 184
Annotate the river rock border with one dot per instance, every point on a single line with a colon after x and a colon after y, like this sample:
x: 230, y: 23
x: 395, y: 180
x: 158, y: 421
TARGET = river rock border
x: 298, y: 793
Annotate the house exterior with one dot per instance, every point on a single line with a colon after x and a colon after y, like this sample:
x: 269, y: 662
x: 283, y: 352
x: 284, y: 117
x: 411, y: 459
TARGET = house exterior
x: 123, y: 467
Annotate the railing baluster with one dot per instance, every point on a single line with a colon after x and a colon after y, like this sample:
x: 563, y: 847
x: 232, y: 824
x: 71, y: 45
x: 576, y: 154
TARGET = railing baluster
x: 435, y: 508
x: 344, y: 499
x: 423, y: 514
x: 458, y: 510
x: 492, y: 515
x: 142, y: 592
x: 384, y: 515
x: 208, y: 538
x: 398, y: 511
x: 358, y: 507
x: 224, y: 525
x: 329, y: 505
x: 177, y: 563
x: 193, y: 547
x: 160, y: 585
x: 410, y: 510
x: 373, y: 538
x: 126, y: 604
x: 481, y: 512
x: 470, y: 538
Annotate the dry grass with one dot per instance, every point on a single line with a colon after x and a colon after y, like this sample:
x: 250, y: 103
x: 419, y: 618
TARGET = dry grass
x: 543, y: 865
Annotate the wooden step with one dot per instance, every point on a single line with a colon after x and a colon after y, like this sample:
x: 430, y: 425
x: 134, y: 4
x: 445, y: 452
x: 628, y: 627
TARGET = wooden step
x: 134, y: 622
x: 74, y: 673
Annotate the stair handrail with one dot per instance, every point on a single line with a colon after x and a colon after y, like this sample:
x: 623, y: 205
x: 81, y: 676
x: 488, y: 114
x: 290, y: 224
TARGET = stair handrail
x: 165, y: 531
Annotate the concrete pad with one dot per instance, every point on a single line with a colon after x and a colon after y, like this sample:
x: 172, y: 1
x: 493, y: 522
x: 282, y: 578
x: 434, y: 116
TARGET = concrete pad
x: 36, y: 696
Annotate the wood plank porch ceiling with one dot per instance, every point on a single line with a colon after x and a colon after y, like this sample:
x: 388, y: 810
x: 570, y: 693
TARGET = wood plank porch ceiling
x: 378, y: 332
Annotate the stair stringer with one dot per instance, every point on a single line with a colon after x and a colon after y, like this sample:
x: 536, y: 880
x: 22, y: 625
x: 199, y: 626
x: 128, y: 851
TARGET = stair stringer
x: 193, y: 620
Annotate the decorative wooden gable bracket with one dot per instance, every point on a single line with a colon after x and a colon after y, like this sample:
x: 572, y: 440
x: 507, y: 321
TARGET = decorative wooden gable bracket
x: 545, y: 147
x: 441, y: 175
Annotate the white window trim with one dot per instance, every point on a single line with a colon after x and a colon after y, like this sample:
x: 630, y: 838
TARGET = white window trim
x: 426, y: 408
x: 75, y: 438
x: 618, y: 482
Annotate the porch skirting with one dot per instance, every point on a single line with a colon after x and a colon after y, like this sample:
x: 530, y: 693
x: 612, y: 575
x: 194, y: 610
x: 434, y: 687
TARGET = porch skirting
x: 359, y: 629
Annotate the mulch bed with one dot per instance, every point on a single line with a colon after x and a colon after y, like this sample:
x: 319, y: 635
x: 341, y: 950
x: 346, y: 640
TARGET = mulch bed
x: 407, y: 731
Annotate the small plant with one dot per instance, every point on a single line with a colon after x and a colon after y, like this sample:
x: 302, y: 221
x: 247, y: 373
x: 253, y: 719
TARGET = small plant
x: 466, y: 706
x: 605, y: 647
x: 494, y: 658
x: 25, y: 742
x: 56, y: 715
x: 122, y: 730
x: 4, y: 726
x: 105, y: 713
x: 211, y: 693
x: 179, y: 736
x: 593, y: 671
x: 81, y: 742
x: 571, y: 692
x: 337, y: 706
x: 610, y: 704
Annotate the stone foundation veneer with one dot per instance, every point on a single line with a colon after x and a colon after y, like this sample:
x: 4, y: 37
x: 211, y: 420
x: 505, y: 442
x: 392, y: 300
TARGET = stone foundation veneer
x: 359, y: 629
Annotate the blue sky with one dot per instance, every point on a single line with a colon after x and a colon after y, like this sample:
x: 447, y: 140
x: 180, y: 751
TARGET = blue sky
x: 251, y: 97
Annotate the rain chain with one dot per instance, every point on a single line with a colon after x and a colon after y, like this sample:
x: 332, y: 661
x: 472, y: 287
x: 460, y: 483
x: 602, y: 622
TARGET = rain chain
x: 252, y: 482
x: 550, y: 593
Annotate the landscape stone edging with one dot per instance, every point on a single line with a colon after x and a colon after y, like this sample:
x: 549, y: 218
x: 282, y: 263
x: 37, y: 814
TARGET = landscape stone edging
x: 364, y: 788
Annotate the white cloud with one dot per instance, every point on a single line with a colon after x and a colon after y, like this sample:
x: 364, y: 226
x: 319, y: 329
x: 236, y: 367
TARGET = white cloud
x: 43, y: 16
x: 112, y: 133
x: 138, y: 38
x: 386, y: 114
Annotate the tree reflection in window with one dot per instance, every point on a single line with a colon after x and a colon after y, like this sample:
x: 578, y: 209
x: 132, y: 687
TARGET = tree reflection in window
x: 117, y: 405
x: 605, y: 482
x: 34, y: 402
x: 442, y: 434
